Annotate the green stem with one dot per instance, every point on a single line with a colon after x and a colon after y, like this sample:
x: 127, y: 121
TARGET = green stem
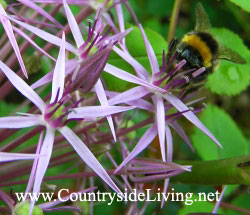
x: 173, y: 19
x: 217, y: 172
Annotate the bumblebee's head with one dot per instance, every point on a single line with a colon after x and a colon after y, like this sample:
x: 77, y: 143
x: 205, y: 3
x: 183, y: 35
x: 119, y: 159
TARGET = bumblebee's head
x: 191, y: 55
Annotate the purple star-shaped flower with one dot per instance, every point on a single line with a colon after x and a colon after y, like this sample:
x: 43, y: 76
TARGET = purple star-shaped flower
x: 53, y: 118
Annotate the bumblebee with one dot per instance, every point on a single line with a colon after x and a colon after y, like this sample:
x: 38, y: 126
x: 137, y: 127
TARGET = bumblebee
x: 200, y: 49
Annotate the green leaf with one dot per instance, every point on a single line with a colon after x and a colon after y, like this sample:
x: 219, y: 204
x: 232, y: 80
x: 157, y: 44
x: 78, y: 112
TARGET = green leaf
x: 230, y: 78
x: 243, y: 4
x: 154, y: 24
x: 225, y: 130
x: 230, y: 171
x: 136, y: 47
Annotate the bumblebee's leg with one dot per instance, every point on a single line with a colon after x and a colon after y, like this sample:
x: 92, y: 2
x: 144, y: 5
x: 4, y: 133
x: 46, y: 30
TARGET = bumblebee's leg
x: 171, y: 49
x: 196, y: 83
x: 192, y: 89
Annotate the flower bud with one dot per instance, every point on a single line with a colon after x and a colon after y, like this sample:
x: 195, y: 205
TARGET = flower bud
x: 23, y: 208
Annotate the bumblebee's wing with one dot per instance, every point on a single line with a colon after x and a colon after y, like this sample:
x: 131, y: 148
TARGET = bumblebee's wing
x: 228, y: 54
x: 202, y: 21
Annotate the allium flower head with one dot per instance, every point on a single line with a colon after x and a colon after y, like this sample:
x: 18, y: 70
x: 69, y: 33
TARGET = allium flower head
x: 162, y: 98
x: 54, y: 117
x: 85, y: 66
x: 158, y: 87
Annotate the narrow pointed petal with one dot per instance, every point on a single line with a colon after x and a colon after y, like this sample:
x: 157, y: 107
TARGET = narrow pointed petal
x: 43, y: 162
x: 165, y: 189
x: 146, y: 139
x: 160, y: 118
x: 169, y: 144
x: 73, y: 25
x: 36, y: 22
x: 110, y: 22
x: 139, y: 69
x: 45, y: 35
x: 175, y: 125
x: 87, y: 156
x: 124, y: 177
x: 20, y: 121
x: 70, y: 65
x: 180, y: 106
x: 169, y: 158
x: 217, y: 204
x: 8, y: 156
x: 151, y: 54
x: 26, y: 37
x: 120, y: 18
x: 7, y: 199
x: 104, y: 102
x: 118, y: 37
x: 22, y: 87
x: 130, y: 78
x: 34, y: 166
x: 138, y: 103
x: 96, y: 111
x: 40, y: 10
x: 9, y: 31
x: 129, y: 95
x: 142, y: 104
x: 59, y: 73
